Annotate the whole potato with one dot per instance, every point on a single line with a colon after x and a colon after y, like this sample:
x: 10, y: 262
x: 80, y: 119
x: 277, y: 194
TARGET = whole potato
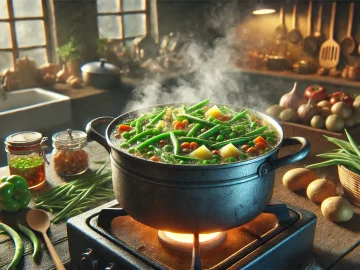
x: 298, y: 179
x: 324, y: 104
x: 289, y: 115
x: 317, y: 122
x: 337, y: 209
x: 334, y: 123
x: 320, y: 189
x: 274, y: 110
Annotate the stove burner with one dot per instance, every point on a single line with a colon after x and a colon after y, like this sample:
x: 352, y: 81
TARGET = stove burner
x: 185, y: 242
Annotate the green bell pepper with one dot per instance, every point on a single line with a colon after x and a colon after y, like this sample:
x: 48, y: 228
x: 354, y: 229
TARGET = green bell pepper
x: 14, y: 193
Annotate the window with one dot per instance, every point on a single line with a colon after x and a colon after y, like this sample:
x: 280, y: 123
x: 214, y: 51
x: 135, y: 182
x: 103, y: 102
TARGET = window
x: 121, y: 19
x: 23, y: 31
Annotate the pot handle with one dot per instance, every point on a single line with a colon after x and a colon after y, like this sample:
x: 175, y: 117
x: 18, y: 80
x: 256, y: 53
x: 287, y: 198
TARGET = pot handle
x: 272, y: 165
x: 94, y: 135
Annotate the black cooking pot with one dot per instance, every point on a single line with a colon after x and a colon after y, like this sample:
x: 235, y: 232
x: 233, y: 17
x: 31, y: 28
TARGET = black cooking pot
x: 193, y: 198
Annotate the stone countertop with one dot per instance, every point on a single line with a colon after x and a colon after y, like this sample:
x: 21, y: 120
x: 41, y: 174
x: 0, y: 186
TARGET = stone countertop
x: 335, y: 245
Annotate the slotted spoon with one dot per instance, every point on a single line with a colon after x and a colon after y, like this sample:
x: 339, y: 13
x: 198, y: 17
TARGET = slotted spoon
x: 347, y: 45
x: 330, y: 50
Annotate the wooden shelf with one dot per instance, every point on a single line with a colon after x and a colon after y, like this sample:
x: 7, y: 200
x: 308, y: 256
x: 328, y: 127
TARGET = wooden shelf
x: 304, y: 77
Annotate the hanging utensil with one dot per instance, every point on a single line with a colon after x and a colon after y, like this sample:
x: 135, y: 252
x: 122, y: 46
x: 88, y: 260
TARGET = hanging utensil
x: 310, y: 42
x: 320, y: 37
x: 330, y: 50
x: 347, y: 44
x: 280, y: 31
x: 294, y: 35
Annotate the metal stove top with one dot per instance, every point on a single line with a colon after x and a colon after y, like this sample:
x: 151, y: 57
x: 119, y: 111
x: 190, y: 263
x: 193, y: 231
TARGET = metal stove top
x: 280, y: 238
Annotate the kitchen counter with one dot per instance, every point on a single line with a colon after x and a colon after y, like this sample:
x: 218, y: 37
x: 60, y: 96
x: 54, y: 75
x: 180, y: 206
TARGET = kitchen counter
x: 335, y: 244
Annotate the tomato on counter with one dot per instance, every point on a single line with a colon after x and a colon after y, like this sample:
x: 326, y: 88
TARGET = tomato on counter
x: 316, y: 93
x: 341, y: 96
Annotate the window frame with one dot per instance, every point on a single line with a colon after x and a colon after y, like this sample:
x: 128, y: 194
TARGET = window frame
x: 47, y: 6
x: 121, y: 14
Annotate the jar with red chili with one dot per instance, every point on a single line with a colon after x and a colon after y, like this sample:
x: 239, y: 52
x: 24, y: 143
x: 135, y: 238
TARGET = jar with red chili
x: 70, y: 155
x: 26, y: 157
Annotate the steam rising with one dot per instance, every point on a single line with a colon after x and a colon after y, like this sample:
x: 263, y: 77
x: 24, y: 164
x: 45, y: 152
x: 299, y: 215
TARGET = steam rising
x: 212, y: 74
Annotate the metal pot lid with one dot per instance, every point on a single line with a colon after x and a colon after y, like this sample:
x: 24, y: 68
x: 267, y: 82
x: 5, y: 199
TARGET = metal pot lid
x: 101, y: 67
x: 24, y: 138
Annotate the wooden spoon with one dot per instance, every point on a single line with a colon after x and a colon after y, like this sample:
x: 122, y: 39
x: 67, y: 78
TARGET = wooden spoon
x: 310, y: 42
x: 281, y: 31
x: 320, y: 37
x: 347, y: 44
x: 39, y: 221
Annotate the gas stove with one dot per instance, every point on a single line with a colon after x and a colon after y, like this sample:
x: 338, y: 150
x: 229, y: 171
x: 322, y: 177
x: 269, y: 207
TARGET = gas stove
x: 107, y: 238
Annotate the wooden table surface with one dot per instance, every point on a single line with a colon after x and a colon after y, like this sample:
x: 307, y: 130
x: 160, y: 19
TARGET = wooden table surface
x: 336, y: 245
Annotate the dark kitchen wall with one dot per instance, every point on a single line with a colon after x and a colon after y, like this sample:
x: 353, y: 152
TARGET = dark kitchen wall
x: 256, y: 32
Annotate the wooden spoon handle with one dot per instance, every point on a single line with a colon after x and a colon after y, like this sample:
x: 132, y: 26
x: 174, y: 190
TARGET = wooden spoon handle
x: 294, y: 17
x: 281, y: 15
x: 309, y: 17
x: 351, y: 17
x: 54, y: 255
x: 319, y: 18
x: 332, y: 21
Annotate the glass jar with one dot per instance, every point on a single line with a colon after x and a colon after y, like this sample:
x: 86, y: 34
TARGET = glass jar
x: 26, y: 157
x: 70, y: 155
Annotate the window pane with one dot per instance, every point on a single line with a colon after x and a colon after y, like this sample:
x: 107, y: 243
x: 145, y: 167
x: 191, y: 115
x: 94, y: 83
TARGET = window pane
x: 109, y: 27
x: 134, y: 25
x: 38, y: 55
x: 108, y: 6
x: 3, y: 9
x: 5, y: 38
x: 5, y: 61
x: 30, y: 33
x: 129, y: 5
x: 27, y: 8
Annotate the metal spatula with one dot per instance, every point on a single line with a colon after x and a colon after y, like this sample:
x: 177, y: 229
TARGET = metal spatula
x: 330, y: 50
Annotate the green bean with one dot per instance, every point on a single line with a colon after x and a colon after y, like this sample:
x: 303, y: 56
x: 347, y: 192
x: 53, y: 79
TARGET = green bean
x: 233, y: 141
x: 353, y: 143
x: 197, y: 106
x: 210, y: 132
x: 175, y: 143
x: 347, y: 163
x: 198, y: 111
x: 34, y: 240
x: 346, y: 146
x: 229, y: 110
x: 194, y: 139
x: 186, y: 158
x: 255, y: 132
x: 159, y: 137
x: 238, y: 116
x: 138, y: 126
x: 19, y: 246
x: 197, y: 127
x: 197, y: 120
x: 158, y: 117
x: 340, y: 155
x: 69, y: 207
x: 141, y: 135
x: 217, y: 121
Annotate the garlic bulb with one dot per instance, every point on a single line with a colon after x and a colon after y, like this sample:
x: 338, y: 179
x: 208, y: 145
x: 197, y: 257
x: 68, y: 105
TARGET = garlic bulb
x: 293, y: 99
x: 306, y: 112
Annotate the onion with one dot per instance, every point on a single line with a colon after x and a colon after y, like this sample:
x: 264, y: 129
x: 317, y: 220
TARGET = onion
x: 306, y: 112
x: 293, y: 99
x: 342, y: 109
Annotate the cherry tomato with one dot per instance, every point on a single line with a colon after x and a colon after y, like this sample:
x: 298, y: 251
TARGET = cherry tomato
x: 123, y: 128
x: 251, y: 150
x: 155, y: 158
x: 185, y: 145
x: 194, y: 145
x: 259, y: 139
x: 260, y: 145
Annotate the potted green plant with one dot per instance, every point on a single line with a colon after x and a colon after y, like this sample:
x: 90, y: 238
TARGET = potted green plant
x: 70, y: 54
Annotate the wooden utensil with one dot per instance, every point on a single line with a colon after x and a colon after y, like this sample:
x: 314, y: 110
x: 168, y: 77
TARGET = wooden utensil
x: 294, y: 35
x: 310, y: 42
x: 320, y: 37
x: 39, y: 221
x: 347, y: 44
x: 330, y: 50
x: 281, y: 31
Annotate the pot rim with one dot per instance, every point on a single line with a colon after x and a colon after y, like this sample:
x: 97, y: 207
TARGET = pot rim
x: 267, y: 118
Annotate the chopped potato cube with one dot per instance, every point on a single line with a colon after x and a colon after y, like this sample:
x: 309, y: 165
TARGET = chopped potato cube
x: 214, y: 111
x: 229, y: 150
x: 202, y: 152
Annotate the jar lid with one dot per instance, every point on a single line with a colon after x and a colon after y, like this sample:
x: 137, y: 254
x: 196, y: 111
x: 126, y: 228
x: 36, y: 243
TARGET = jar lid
x: 101, y: 67
x: 23, y: 139
x: 69, y: 139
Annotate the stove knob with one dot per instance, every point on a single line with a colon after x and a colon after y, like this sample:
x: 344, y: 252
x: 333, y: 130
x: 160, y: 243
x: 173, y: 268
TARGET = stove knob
x: 111, y: 266
x: 88, y: 260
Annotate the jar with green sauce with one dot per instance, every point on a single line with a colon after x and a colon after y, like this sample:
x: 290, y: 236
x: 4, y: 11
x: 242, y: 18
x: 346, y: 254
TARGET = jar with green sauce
x: 26, y: 157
